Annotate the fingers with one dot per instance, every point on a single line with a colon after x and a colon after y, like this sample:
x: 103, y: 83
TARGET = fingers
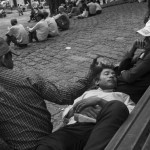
x: 95, y: 60
x: 90, y: 112
x: 139, y: 43
x: 79, y: 106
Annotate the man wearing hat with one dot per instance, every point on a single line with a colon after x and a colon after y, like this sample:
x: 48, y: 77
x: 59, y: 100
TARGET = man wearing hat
x: 134, y: 72
x: 24, y: 118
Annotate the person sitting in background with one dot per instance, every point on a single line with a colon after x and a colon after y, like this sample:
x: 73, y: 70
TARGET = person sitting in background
x: 17, y: 34
x: 85, y: 13
x: 79, y: 4
x: 92, y: 8
x: 75, y: 11
x: 34, y: 14
x: 35, y: 4
x: 134, y: 72
x: 40, y: 31
x: 98, y: 8
x: 2, y: 13
x: 20, y: 9
x: 93, y: 119
x: 62, y: 19
x: 53, y: 28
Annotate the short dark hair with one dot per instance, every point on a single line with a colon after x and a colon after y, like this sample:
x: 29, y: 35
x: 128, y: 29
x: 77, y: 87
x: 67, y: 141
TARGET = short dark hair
x: 45, y: 13
x: 41, y: 15
x: 13, y: 22
x: 103, y: 65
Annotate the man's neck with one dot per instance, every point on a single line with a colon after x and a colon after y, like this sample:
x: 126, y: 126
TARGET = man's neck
x: 106, y: 90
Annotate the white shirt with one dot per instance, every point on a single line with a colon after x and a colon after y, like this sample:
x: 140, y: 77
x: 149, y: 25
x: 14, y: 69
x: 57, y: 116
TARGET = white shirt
x: 20, y: 33
x: 106, y: 95
x: 92, y: 8
x: 98, y: 7
x: 42, y: 30
x: 52, y: 25
x: 85, y: 13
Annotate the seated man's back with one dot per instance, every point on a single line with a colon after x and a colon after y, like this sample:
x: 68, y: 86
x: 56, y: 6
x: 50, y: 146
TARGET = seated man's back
x: 92, y: 8
x: 63, y: 21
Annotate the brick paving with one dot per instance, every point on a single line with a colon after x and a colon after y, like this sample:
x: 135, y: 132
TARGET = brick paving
x: 110, y: 35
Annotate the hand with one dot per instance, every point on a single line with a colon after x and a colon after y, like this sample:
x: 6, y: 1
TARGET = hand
x: 95, y: 67
x: 91, y: 111
x: 139, y: 44
x: 91, y: 101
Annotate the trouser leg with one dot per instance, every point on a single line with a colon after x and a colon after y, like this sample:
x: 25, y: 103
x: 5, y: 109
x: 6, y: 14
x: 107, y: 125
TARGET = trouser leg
x: 10, y: 39
x: 71, y: 137
x: 33, y: 35
x: 109, y: 120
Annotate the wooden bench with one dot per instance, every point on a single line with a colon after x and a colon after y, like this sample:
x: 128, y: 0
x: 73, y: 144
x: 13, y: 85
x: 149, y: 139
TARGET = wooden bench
x: 134, y: 134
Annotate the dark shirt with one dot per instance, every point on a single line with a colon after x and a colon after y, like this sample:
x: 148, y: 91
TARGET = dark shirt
x: 135, y: 76
x: 24, y: 119
x: 63, y: 21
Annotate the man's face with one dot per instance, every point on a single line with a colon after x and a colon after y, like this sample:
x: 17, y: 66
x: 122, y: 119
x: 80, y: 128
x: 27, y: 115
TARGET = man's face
x: 147, y: 43
x: 107, y: 79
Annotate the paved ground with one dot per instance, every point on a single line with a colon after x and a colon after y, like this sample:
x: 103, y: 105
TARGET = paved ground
x: 110, y: 34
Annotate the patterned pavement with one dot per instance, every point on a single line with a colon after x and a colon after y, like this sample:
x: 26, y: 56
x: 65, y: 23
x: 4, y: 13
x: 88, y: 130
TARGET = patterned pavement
x: 109, y: 34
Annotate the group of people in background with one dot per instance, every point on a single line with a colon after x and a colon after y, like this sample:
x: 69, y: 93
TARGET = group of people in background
x: 48, y: 26
x: 82, y: 8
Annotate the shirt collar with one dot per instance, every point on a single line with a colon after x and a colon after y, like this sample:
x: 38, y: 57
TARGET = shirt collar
x: 109, y: 90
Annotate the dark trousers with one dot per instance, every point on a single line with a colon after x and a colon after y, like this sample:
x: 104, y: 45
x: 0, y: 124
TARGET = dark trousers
x: 33, y: 35
x: 13, y: 39
x: 98, y: 12
x: 88, y: 136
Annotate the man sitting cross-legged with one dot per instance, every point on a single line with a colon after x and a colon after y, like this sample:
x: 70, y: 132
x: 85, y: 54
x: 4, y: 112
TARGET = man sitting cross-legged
x: 94, y: 117
x: 17, y: 34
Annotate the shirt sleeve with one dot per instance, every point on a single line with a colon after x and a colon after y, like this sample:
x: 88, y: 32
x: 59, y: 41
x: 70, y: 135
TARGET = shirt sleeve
x: 60, y: 95
x: 140, y: 68
x: 128, y: 102
x: 126, y: 63
x: 11, y: 31
x: 37, y: 26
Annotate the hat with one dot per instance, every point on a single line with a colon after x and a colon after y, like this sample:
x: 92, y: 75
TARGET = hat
x: 4, y: 48
x: 146, y: 30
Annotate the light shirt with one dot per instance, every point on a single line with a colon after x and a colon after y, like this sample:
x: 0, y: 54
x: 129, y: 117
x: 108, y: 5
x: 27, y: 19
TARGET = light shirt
x: 52, y: 25
x: 106, y: 95
x: 42, y: 30
x: 92, y: 8
x: 98, y: 7
x: 20, y: 33
x: 57, y: 16
x: 85, y: 14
